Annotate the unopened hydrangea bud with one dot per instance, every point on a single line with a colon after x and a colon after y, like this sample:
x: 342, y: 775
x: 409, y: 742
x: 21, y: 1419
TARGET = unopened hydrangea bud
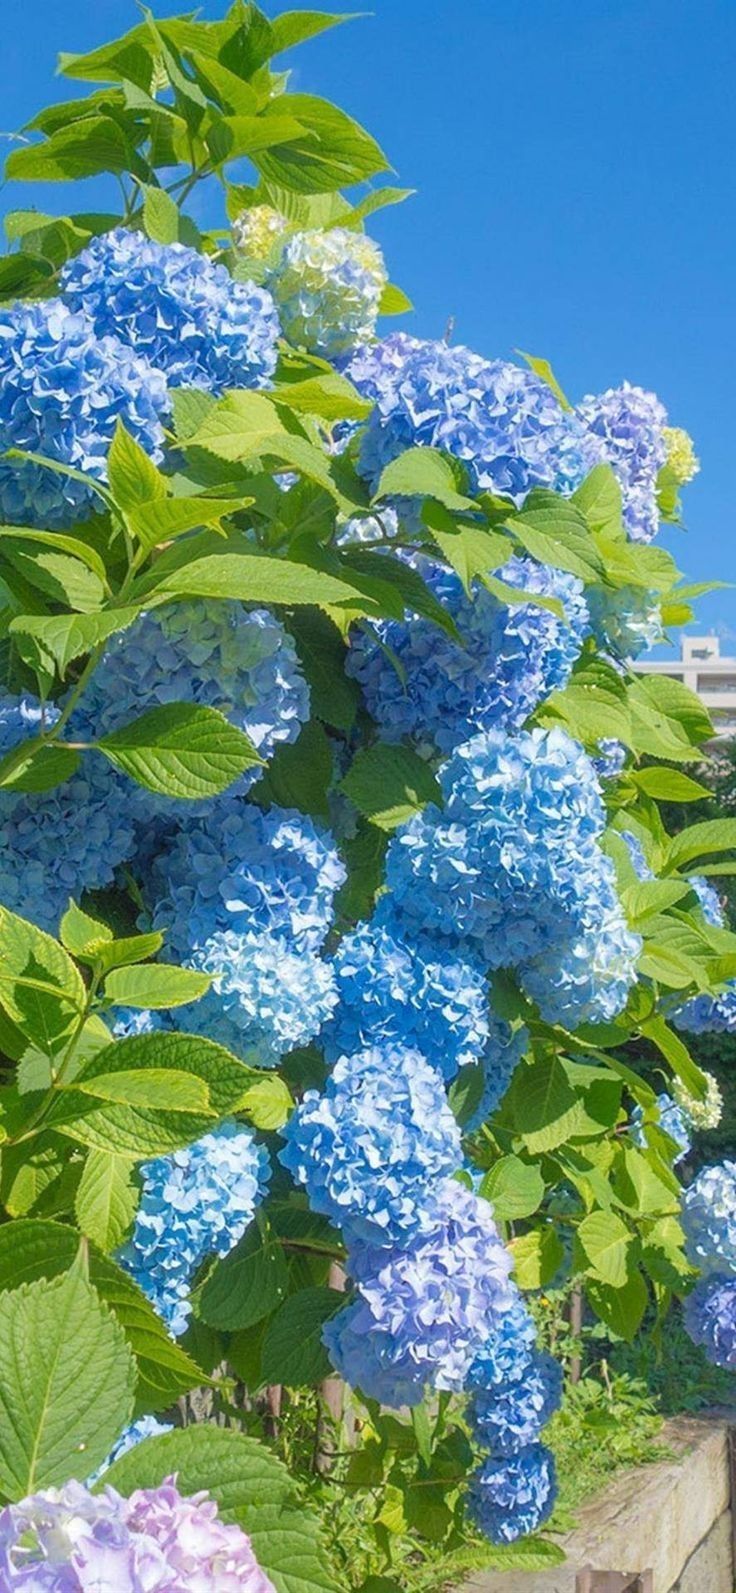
x: 701, y: 1114
x: 256, y: 231
x: 328, y: 288
x: 681, y: 456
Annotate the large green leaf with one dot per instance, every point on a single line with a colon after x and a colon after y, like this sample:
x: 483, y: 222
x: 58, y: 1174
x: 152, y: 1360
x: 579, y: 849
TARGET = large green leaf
x: 40, y: 988
x: 555, y: 532
x: 423, y: 473
x: 621, y: 1308
x: 67, y: 1379
x: 106, y: 1199
x: 605, y: 1242
x: 247, y: 1285
x: 259, y: 578
x: 134, y: 479
x: 181, y: 750
x: 156, y: 985
x: 322, y: 654
x: 514, y: 1188
x: 699, y: 840
x: 60, y: 638
x: 388, y: 784
x: 543, y: 1104
x: 84, y: 148
x: 599, y: 499
x: 293, y: 1352
x: 333, y: 151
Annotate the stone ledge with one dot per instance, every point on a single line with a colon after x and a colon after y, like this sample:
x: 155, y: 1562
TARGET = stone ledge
x: 655, y: 1517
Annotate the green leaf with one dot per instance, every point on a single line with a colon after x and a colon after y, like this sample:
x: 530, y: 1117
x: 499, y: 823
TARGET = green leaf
x: 259, y: 578
x: 237, y: 427
x: 153, y: 1088
x: 556, y: 534
x: 649, y: 897
x: 155, y: 985
x: 529, y: 1554
x: 121, y: 953
x: 31, y: 1249
x: 677, y: 1054
x: 133, y: 477
x: 79, y: 933
x: 514, y: 1188
x: 169, y: 518
x: 470, y: 550
x: 543, y: 1104
x: 181, y: 750
x: 423, y: 473
x: 599, y: 499
x: 670, y: 785
x: 40, y: 988
x: 267, y: 1103
x: 621, y: 1308
x: 293, y: 1352
x: 37, y: 766
x: 60, y: 638
x: 605, y: 1242
x: 20, y: 536
x: 699, y: 840
x: 59, y: 577
x: 331, y: 396
x: 322, y: 654
x: 138, y: 1131
x: 247, y: 1285
x: 251, y: 1487
x: 67, y: 1380
x: 394, y: 301
x: 293, y: 27
x: 106, y: 1200
x: 161, y: 216
x: 331, y: 153
x: 388, y: 784
x: 544, y: 371
x: 299, y: 774
x: 84, y: 148
x: 668, y: 720
x: 537, y: 1256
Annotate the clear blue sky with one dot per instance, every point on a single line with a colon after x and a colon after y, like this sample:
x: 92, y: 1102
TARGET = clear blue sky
x: 574, y: 161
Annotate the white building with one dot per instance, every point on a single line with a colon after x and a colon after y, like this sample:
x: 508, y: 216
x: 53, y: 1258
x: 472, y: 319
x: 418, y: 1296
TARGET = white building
x: 702, y: 668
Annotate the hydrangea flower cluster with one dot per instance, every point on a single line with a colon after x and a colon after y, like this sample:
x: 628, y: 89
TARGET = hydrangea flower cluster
x: 511, y: 865
x: 681, y: 457
x: 266, y: 997
x: 55, y: 844
x: 502, y: 422
x: 673, y: 1119
x: 195, y: 1203
x: 257, y: 231
x: 511, y: 1496
x: 709, y: 1014
x: 710, y: 1318
x: 611, y: 759
x: 701, y: 1115
x: 184, y: 313
x: 216, y: 654
x: 508, y: 1416
x: 417, y: 681
x: 625, y: 621
x: 709, y: 1219
x: 423, y: 1310
x: 328, y: 288
x: 63, y: 388
x: 371, y: 1149
x: 67, y: 1540
x: 628, y: 425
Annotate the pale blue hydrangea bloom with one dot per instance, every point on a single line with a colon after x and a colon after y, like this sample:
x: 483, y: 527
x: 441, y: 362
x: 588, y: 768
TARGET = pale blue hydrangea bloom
x: 626, y: 622
x: 710, y: 1318
x: 508, y: 862
x: 586, y: 978
x: 709, y: 901
x: 266, y: 998
x: 628, y: 425
x: 502, y: 1055
x: 672, y: 1119
x: 507, y: 1352
x: 328, y: 288
x: 708, y: 1014
x: 195, y: 1203
x: 611, y: 759
x: 637, y: 855
x: 144, y: 1427
x: 423, y: 1312
x: 502, y: 422
x: 398, y: 988
x: 709, y: 1219
x: 63, y: 389
x: 511, y: 1496
x: 55, y: 844
x: 239, y: 869
x: 371, y: 1149
x: 68, y: 1540
x: 218, y: 655
x: 417, y: 681
x: 185, y: 313
x: 509, y: 1415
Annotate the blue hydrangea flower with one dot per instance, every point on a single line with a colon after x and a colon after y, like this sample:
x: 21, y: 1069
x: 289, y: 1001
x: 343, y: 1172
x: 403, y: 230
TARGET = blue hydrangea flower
x: 626, y: 622
x: 672, y: 1119
x: 266, y: 998
x: 507, y: 1416
x: 239, y: 869
x: 194, y: 324
x: 195, y: 1203
x: 218, y: 655
x: 611, y: 759
x: 144, y: 1427
x: 508, y: 862
x: 709, y: 901
x: 710, y: 1318
x: 708, y: 1014
x: 423, y: 1312
x: 587, y: 978
x: 55, y: 844
x: 511, y: 1496
x: 371, y: 1149
x: 709, y: 1219
x: 417, y: 681
x: 395, y: 988
x: 503, y: 422
x: 507, y: 1352
x: 503, y: 1053
x: 628, y: 425
x: 637, y: 855
x: 63, y: 389
x: 328, y: 288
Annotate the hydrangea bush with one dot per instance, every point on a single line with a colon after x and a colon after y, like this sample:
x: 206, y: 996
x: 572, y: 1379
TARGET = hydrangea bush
x: 334, y: 887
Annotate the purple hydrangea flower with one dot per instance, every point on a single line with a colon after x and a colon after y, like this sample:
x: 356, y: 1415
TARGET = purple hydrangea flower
x: 63, y: 388
x: 371, y: 1149
x: 187, y: 315
x: 628, y: 426
x: 710, y: 1318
